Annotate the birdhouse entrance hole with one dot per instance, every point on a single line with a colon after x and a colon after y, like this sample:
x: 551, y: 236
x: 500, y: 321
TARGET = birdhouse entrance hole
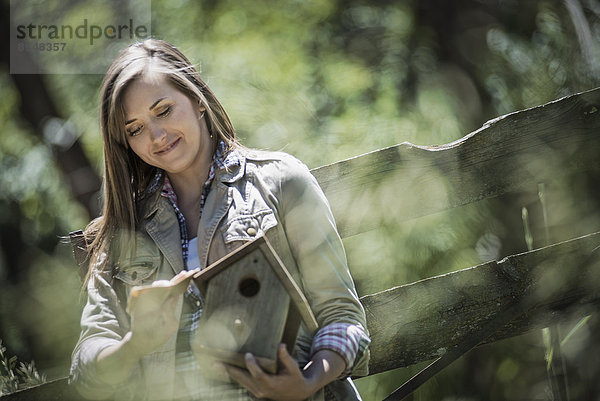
x: 249, y: 286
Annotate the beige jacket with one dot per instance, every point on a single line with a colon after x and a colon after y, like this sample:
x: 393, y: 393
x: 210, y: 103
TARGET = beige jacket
x: 268, y: 193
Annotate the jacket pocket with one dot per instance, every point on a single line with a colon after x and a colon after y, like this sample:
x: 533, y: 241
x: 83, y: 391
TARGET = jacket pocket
x: 137, y: 271
x: 246, y: 227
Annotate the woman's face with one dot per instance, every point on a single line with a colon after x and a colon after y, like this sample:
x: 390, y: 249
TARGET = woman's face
x: 165, y: 128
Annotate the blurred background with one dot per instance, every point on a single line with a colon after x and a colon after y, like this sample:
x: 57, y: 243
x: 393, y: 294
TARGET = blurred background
x: 323, y: 80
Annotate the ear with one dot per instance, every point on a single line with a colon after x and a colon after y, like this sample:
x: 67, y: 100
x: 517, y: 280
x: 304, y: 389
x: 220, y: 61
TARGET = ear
x: 201, y: 106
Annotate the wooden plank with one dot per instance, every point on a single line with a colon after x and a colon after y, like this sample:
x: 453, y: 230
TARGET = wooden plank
x: 420, y: 321
x: 56, y: 390
x: 509, y: 153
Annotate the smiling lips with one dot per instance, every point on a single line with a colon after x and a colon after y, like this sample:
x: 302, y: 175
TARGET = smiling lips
x: 169, y: 147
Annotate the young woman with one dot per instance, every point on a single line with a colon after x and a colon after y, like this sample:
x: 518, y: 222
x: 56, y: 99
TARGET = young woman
x: 180, y: 193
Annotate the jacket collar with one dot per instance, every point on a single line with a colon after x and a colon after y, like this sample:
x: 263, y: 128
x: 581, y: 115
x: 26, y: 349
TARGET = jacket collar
x: 232, y: 167
x: 151, y: 204
x: 163, y: 227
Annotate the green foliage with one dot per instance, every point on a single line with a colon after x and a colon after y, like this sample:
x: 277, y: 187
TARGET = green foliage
x: 13, y: 377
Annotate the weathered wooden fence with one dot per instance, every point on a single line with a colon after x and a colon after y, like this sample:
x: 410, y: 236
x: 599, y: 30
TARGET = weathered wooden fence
x: 557, y: 145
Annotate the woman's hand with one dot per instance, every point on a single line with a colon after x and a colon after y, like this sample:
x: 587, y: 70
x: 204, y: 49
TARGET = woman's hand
x: 151, y: 328
x: 148, y: 332
x: 290, y: 383
x: 155, y: 320
x: 152, y: 324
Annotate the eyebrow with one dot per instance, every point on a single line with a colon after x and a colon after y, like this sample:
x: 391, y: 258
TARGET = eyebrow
x: 149, y: 108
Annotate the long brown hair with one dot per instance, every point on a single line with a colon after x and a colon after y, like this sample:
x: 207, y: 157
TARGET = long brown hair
x: 126, y: 176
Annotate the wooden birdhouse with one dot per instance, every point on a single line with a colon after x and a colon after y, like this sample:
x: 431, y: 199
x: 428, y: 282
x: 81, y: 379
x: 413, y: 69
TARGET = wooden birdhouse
x: 252, y: 304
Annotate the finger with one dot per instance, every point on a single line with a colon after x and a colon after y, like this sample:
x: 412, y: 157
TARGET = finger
x: 160, y: 283
x: 286, y: 359
x: 189, y: 273
x: 181, y: 274
x: 253, y: 367
x: 236, y: 373
x: 241, y: 376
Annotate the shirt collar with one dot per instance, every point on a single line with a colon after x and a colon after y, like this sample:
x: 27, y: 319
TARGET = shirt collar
x: 228, y: 167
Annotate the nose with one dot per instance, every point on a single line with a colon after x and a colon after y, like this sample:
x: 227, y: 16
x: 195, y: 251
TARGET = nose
x: 157, y: 133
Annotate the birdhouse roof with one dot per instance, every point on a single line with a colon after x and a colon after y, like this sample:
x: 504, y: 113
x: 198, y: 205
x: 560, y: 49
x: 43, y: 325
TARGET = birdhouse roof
x: 285, y: 278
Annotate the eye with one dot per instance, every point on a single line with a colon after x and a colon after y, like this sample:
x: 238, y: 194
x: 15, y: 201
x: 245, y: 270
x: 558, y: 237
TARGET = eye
x: 135, y: 130
x: 165, y: 112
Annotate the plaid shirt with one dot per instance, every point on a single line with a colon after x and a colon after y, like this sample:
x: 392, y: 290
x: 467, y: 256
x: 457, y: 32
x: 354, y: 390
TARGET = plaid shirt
x: 347, y: 340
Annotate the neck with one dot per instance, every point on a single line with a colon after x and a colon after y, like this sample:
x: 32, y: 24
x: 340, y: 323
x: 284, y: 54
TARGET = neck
x: 189, y: 192
x: 188, y: 183
x: 189, y: 188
